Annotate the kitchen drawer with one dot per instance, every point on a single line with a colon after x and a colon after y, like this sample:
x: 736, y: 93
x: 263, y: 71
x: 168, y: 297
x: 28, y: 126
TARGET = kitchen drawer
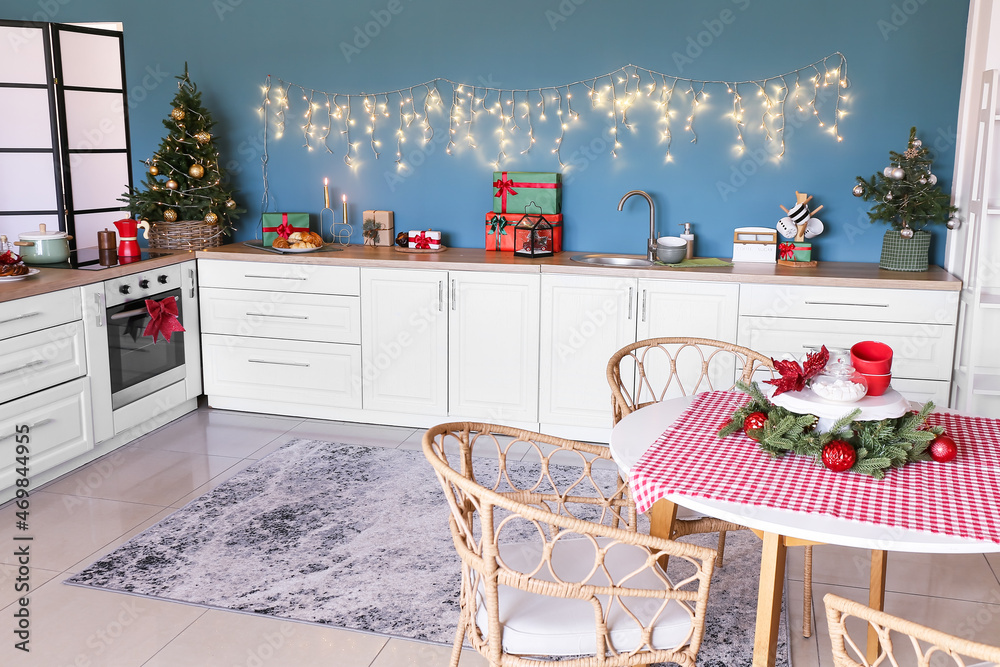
x: 317, y: 317
x: 282, y: 371
x: 920, y: 351
x: 279, y: 276
x: 849, y: 303
x: 60, y: 428
x: 41, y: 359
x: 921, y: 391
x: 40, y: 312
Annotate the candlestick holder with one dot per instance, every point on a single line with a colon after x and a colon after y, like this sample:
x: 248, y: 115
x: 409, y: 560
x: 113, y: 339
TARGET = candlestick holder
x: 340, y: 232
x: 323, y: 222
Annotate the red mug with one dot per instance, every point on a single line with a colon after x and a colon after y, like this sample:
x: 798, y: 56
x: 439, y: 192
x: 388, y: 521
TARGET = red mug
x: 872, y: 357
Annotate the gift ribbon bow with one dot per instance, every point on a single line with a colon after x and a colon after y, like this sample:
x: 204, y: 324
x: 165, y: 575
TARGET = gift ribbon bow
x: 284, y: 230
x: 162, y: 318
x: 786, y: 250
x: 504, y: 187
x: 498, y: 227
x: 421, y: 241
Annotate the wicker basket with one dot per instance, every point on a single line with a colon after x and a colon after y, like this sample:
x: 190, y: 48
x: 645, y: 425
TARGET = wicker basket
x: 183, y: 235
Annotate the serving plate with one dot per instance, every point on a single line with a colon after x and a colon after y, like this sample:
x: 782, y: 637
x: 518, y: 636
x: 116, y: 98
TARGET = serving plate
x: 259, y: 245
x: 10, y: 279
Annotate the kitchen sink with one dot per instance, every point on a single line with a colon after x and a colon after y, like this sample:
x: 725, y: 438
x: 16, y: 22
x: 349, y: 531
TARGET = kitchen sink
x: 612, y: 260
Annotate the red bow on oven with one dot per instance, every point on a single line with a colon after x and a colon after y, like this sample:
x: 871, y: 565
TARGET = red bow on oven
x: 162, y: 318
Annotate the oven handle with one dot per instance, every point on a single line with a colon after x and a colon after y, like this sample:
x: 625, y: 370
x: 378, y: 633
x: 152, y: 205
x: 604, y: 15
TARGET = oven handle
x: 125, y: 314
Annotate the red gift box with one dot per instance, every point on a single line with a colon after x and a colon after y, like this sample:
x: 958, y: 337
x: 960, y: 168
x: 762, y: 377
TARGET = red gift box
x: 500, y: 230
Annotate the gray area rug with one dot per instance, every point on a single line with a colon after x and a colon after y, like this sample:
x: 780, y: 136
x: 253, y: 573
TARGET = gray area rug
x: 355, y: 537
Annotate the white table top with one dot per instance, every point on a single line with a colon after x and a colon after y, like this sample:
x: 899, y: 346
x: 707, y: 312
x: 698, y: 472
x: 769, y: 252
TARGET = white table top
x: 636, y: 432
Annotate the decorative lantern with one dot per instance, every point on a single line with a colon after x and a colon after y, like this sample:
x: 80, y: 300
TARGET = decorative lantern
x: 533, y: 236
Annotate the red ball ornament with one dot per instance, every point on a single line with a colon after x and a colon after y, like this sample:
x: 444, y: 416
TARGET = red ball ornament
x: 754, y: 420
x: 943, y: 448
x: 839, y: 456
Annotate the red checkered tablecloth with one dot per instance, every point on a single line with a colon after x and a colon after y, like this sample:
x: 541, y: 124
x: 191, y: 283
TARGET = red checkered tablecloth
x: 960, y: 498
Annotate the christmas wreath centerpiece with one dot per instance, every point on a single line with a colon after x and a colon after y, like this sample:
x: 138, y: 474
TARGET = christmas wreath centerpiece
x: 865, y: 447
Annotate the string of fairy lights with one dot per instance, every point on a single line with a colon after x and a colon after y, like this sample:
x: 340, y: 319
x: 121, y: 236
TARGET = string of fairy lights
x: 511, y: 114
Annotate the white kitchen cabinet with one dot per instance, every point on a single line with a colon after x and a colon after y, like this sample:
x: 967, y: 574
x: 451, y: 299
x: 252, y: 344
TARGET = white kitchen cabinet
x: 98, y: 360
x: 688, y: 309
x: 33, y: 361
x: 584, y: 320
x: 493, y: 346
x: 404, y: 341
x: 280, y: 338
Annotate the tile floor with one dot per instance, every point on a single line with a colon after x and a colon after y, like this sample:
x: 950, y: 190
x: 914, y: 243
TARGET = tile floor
x: 88, y: 513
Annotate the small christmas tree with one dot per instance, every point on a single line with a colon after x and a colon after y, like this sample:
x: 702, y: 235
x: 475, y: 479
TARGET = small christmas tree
x: 906, y: 194
x: 185, y: 181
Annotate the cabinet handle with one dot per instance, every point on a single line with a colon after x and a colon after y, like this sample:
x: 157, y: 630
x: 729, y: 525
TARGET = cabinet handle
x: 30, y: 426
x: 192, y: 281
x: 838, y: 303
x: 643, y: 305
x: 250, y: 275
x: 454, y: 301
x: 630, y: 303
x: 30, y: 364
x: 19, y: 317
x: 279, y: 363
x: 99, y: 300
x: 285, y: 317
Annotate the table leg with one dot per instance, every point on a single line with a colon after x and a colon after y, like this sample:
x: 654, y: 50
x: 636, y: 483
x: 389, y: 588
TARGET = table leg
x: 876, y: 598
x: 661, y: 523
x: 772, y: 579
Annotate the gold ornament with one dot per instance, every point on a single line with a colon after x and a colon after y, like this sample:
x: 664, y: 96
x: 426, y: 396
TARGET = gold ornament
x: 211, y: 218
x: 171, y: 184
x: 196, y: 171
x: 230, y: 203
x: 154, y: 170
x: 177, y: 114
x: 169, y: 215
x: 203, y: 137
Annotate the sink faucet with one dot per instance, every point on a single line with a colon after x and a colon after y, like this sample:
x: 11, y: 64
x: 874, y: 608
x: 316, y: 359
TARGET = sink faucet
x: 651, y: 245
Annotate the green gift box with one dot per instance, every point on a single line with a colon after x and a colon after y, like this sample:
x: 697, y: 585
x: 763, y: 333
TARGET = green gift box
x: 802, y: 252
x: 514, y: 191
x: 274, y: 225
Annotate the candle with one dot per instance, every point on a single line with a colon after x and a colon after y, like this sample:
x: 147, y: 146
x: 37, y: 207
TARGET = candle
x: 326, y: 193
x: 345, y: 208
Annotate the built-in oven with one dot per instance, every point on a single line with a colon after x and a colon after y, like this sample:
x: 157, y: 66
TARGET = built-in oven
x: 141, y: 366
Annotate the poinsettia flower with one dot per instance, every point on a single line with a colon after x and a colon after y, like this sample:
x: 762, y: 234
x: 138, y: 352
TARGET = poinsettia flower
x: 815, y: 363
x: 792, y: 377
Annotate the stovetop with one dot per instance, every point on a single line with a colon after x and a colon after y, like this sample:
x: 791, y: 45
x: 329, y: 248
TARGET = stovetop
x: 88, y: 259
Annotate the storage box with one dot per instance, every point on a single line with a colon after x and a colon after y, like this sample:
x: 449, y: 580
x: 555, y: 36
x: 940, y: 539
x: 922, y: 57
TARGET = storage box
x: 500, y: 231
x: 755, y: 244
x: 378, y: 228
x: 514, y: 191
x: 274, y: 225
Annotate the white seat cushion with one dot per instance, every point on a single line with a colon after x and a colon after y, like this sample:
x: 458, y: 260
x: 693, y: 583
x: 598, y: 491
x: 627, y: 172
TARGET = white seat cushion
x: 541, y: 625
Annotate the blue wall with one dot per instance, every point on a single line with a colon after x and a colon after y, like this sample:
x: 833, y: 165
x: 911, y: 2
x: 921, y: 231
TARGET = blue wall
x: 905, y: 67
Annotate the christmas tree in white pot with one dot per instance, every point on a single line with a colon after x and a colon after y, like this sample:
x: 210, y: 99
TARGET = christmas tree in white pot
x: 907, y: 197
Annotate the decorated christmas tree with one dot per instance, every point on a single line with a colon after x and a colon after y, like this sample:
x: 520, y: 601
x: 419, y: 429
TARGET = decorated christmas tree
x: 185, y: 181
x: 906, y: 193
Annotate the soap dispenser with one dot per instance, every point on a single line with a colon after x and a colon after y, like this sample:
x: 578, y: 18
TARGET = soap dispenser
x: 688, y: 236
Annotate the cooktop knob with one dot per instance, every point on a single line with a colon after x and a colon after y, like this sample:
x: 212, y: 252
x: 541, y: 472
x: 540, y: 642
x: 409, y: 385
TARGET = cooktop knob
x: 162, y: 279
x: 124, y: 289
x: 144, y: 283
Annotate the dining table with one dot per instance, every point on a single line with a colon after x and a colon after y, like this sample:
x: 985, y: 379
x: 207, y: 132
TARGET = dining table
x: 671, y: 455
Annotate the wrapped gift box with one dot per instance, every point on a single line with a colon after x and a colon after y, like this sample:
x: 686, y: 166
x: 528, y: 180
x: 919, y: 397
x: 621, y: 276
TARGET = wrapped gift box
x: 514, y: 191
x: 282, y: 224
x: 500, y: 231
x: 379, y: 228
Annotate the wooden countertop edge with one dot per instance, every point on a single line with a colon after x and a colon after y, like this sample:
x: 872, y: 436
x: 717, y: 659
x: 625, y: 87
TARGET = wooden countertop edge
x: 829, y: 274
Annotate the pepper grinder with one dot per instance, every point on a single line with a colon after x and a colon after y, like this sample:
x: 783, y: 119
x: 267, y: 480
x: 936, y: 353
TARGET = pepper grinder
x: 107, y: 248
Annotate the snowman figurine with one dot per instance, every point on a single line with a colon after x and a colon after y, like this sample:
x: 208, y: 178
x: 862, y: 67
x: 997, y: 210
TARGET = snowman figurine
x: 798, y: 225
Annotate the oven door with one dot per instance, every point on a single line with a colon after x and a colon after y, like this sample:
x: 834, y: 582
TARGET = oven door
x: 140, y: 367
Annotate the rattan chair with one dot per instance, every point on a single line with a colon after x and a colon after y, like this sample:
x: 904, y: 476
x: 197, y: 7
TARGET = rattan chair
x: 657, y: 369
x: 927, y: 645
x: 545, y: 571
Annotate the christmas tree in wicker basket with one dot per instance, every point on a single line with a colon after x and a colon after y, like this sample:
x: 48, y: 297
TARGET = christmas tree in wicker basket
x: 185, y: 196
x: 907, y: 196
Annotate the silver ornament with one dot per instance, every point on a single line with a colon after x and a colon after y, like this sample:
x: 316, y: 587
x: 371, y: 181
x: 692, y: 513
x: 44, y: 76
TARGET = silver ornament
x: 898, y: 174
x: 932, y: 179
x: 953, y: 223
x: 887, y: 172
x: 858, y: 190
x: 888, y: 196
x: 906, y: 233
x: 923, y: 181
x: 917, y: 143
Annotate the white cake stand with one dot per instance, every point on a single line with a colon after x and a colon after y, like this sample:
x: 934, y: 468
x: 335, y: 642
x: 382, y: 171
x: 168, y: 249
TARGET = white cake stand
x: 889, y: 405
